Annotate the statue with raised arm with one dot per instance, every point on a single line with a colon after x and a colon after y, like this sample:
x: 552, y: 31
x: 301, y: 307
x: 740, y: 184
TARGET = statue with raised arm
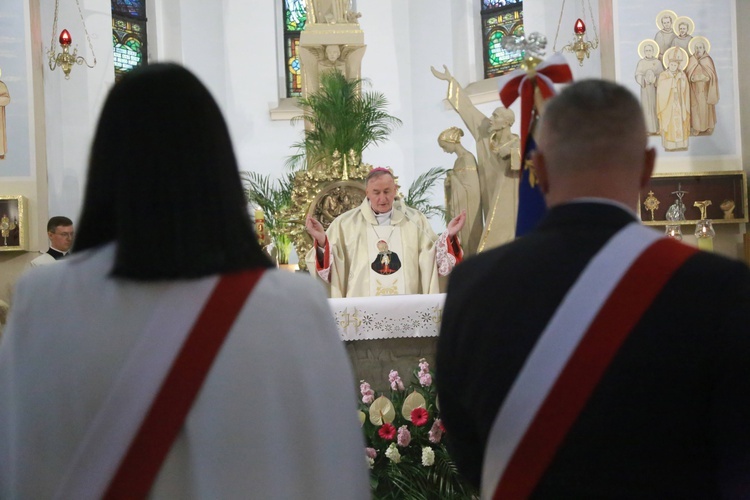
x: 499, y: 162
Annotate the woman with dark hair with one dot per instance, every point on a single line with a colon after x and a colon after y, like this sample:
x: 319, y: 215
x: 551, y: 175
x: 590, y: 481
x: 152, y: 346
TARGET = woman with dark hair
x: 164, y: 358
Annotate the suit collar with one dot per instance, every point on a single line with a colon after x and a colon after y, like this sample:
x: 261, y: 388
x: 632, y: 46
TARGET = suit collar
x: 587, y: 213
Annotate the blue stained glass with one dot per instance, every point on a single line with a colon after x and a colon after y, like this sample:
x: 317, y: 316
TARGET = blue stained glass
x: 132, y: 8
x: 493, y: 4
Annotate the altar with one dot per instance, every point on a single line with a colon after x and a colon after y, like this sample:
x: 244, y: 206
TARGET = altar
x: 388, y: 333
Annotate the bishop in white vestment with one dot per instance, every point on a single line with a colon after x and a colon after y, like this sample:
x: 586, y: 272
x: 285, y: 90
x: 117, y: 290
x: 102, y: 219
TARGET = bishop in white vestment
x: 357, y: 255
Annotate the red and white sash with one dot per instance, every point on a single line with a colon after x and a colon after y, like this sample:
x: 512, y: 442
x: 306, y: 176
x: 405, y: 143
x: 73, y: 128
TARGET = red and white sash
x: 134, y: 428
x: 571, y: 355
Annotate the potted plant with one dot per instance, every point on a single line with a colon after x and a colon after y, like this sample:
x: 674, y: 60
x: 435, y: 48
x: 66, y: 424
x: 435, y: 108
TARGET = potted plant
x: 272, y: 197
x: 342, y: 117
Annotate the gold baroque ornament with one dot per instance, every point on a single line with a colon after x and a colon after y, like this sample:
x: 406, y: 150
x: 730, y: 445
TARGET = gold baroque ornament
x: 324, y: 192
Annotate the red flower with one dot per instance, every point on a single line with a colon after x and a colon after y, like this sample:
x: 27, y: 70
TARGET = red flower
x: 387, y: 432
x: 419, y: 416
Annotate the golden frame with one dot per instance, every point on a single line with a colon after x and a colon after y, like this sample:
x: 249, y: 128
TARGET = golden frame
x: 13, y: 230
x: 716, y: 186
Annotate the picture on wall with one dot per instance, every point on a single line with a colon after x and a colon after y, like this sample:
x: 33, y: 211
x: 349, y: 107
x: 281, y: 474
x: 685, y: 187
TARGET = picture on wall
x: 680, y: 58
x: 12, y: 223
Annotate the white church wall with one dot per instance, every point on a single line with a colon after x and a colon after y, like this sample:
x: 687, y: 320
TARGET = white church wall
x: 233, y: 46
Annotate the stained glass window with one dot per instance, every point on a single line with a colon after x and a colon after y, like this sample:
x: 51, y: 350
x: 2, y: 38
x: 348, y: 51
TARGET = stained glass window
x: 295, y: 17
x: 128, y: 35
x: 500, y: 18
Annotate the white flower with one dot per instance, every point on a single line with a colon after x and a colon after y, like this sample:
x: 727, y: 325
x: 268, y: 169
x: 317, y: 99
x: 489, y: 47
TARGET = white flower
x: 393, y: 454
x: 370, y: 462
x: 428, y: 456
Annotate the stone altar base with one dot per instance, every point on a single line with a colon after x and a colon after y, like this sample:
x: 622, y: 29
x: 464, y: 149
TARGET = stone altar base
x: 372, y: 360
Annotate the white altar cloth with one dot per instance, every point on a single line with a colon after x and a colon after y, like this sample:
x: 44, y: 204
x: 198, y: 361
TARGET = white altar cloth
x: 388, y: 317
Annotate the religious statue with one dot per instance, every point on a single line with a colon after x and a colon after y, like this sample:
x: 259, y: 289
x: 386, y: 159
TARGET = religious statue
x: 462, y: 189
x: 702, y: 205
x: 727, y: 206
x: 4, y: 101
x: 330, y: 12
x: 499, y: 162
x: 646, y: 74
x: 317, y: 59
x: 684, y: 27
x: 704, y: 87
x: 673, y: 101
x: 676, y: 211
x: 663, y: 38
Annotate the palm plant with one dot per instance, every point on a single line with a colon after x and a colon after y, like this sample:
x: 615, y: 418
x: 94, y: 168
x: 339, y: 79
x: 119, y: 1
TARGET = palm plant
x: 341, y: 117
x: 418, y: 194
x: 272, y: 197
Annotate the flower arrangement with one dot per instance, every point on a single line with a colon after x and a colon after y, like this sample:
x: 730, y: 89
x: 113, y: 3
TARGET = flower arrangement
x: 404, y: 448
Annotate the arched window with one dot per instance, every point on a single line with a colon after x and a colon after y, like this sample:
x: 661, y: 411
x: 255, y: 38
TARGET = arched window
x: 500, y: 18
x: 295, y: 17
x: 128, y: 35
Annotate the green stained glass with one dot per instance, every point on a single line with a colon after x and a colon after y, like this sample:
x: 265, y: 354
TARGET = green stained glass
x: 496, y: 25
x: 295, y: 19
x: 128, y: 40
x: 295, y: 15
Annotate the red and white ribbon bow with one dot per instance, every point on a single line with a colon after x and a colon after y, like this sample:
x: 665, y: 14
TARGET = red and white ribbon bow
x: 520, y: 83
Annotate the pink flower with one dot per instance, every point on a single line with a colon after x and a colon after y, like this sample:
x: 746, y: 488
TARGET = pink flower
x: 368, y: 395
x: 424, y: 366
x: 387, y: 432
x: 371, y: 452
x: 436, y: 433
x: 395, y: 380
x: 425, y: 379
x: 404, y: 436
x: 419, y: 416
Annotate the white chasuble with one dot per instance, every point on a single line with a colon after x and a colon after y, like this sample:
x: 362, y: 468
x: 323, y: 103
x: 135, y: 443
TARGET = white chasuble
x: 352, y: 251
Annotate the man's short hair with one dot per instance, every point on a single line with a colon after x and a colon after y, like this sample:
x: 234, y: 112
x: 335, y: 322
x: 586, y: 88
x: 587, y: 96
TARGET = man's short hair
x: 594, y: 120
x: 57, y: 221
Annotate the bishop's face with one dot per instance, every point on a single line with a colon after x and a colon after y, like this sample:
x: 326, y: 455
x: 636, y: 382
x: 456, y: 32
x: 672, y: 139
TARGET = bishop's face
x: 381, y: 191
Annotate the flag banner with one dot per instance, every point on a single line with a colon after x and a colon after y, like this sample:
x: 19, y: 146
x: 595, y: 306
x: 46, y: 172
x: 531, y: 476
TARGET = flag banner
x: 531, y: 205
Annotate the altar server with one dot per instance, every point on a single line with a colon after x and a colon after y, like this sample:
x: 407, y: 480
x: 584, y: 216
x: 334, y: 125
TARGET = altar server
x: 594, y: 358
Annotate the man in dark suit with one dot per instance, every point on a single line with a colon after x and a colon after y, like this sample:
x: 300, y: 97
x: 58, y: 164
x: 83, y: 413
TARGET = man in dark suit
x: 665, y: 410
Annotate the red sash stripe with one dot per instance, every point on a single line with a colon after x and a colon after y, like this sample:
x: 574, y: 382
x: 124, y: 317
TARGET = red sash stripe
x: 618, y: 316
x: 143, y: 460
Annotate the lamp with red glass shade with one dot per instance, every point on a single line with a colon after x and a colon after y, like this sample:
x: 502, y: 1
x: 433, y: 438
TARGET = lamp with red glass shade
x: 580, y: 46
x: 65, y: 59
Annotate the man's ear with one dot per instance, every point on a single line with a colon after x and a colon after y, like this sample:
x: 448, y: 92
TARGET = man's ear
x: 539, y: 169
x: 649, y: 161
